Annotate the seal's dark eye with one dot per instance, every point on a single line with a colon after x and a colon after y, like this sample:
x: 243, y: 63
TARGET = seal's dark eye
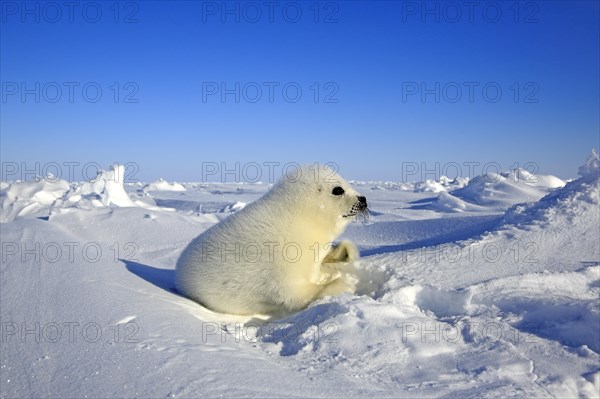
x: 337, y: 191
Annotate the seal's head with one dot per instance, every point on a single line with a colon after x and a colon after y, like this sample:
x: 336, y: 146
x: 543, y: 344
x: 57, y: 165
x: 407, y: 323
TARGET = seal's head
x: 319, y: 192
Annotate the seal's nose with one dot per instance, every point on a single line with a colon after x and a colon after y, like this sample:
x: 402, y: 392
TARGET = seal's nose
x: 362, y: 200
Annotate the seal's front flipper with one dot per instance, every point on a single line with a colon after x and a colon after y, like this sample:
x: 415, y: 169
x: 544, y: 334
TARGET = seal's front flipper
x: 344, y: 251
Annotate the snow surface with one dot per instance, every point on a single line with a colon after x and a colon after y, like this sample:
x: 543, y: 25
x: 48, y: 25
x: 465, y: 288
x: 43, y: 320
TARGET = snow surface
x: 485, y: 289
x: 501, y: 190
x: 162, y: 185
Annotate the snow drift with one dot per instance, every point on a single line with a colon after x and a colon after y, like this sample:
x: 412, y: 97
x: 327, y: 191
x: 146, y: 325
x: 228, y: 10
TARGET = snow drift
x: 162, y: 185
x: 29, y: 198
x: 504, y: 190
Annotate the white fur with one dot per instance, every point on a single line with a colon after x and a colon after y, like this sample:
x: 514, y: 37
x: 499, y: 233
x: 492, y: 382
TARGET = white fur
x: 249, y: 263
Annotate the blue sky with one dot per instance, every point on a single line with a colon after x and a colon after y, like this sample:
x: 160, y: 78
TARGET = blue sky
x: 379, y: 82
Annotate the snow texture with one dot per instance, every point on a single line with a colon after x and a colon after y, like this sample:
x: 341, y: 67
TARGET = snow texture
x: 485, y: 289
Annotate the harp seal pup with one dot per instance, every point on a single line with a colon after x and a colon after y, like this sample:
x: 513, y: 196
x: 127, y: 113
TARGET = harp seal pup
x: 277, y: 254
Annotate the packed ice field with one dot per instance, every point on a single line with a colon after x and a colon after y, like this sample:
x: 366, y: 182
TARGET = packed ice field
x: 487, y: 287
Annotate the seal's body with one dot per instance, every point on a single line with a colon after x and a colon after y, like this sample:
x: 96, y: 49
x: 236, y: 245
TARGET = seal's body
x: 276, y: 254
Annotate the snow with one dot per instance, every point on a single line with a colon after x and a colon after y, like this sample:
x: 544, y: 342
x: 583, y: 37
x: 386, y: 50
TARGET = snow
x: 429, y: 186
x: 449, y: 203
x: 591, y: 167
x: 483, y: 289
x: 233, y: 207
x: 502, y: 190
x: 162, y: 185
x: 441, y: 184
x: 106, y: 189
x: 28, y: 198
